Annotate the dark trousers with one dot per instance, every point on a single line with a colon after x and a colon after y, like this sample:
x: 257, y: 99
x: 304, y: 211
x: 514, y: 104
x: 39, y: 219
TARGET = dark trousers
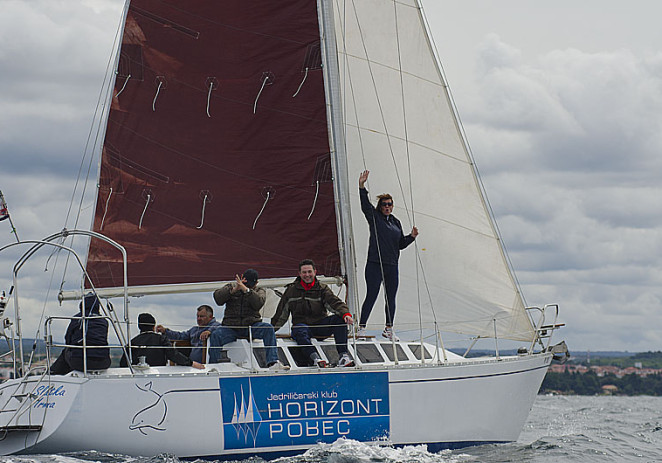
x: 373, y: 279
x: 67, y: 362
x: 302, y: 333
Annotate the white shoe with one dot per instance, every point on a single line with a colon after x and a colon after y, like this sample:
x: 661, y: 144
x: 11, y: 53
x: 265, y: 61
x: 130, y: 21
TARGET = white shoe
x: 345, y: 361
x: 319, y: 362
x: 389, y: 334
x: 361, y: 333
x: 278, y: 366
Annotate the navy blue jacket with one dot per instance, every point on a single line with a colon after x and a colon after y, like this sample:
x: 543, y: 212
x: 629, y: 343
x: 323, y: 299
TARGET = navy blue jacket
x: 96, y: 335
x: 385, y: 231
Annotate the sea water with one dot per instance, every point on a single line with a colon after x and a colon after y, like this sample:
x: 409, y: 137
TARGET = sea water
x: 559, y: 429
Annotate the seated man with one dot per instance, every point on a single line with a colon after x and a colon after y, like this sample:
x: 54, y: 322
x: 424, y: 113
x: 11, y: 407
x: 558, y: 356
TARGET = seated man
x: 243, y: 301
x: 96, y: 334
x: 155, y: 347
x: 307, y: 300
x: 196, y: 335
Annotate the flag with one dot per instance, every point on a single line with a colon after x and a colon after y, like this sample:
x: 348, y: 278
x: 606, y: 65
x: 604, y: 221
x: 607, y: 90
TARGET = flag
x: 4, y: 212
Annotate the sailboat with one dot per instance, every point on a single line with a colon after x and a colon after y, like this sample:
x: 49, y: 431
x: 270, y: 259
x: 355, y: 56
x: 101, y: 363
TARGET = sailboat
x: 234, y: 134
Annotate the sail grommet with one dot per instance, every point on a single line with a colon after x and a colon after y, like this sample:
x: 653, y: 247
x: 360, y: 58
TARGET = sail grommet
x: 206, y: 197
x: 161, y: 84
x: 148, y: 196
x: 267, y: 79
x: 211, y: 84
x: 268, y: 193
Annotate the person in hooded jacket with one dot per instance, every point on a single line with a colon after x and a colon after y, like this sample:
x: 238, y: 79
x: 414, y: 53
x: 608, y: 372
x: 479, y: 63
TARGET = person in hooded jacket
x: 94, y: 330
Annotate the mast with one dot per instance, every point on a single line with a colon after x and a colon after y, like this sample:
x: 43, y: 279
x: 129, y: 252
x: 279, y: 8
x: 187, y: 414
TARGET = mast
x: 338, y: 147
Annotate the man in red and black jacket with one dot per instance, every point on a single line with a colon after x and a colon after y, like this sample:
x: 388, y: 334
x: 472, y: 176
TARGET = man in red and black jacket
x: 310, y: 303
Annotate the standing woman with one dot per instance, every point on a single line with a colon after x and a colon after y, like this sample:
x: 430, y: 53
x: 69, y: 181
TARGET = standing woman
x: 386, y: 240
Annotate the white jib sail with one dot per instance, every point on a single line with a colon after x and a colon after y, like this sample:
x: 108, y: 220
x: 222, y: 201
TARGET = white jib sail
x: 401, y: 126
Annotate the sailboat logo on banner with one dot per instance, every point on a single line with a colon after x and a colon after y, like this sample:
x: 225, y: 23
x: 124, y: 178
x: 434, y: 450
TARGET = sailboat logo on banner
x: 246, y: 417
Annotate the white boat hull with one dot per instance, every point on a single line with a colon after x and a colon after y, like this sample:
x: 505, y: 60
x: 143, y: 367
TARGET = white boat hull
x: 229, y: 412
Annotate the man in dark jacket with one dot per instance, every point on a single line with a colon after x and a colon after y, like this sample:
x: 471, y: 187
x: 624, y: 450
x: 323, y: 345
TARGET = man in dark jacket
x: 155, y: 347
x: 243, y: 301
x: 310, y: 302
x: 94, y: 329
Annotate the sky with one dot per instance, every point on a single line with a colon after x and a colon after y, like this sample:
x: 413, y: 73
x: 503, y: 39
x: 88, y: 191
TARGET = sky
x: 562, y: 106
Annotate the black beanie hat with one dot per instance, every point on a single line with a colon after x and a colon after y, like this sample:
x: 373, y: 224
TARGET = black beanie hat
x: 146, y: 322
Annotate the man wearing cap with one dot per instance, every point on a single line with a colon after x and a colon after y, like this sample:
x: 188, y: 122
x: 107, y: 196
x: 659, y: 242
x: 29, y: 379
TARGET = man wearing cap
x: 243, y: 300
x: 155, y: 347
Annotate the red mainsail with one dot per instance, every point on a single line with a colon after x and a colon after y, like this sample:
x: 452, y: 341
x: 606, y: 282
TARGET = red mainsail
x: 217, y: 146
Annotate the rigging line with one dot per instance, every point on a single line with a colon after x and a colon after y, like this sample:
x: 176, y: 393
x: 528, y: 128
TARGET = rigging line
x: 204, y: 203
x: 123, y: 86
x: 404, y: 110
x: 158, y: 89
x: 105, y: 211
x: 53, y: 252
x: 140, y: 224
x: 358, y: 127
x: 211, y: 88
x: 317, y: 190
x: 261, y: 210
x: 43, y: 309
x: 105, y: 91
x: 301, y: 84
x: 346, y: 63
x: 418, y: 258
x: 264, y: 82
x: 363, y: 156
x: 406, y: 136
x: 351, y: 91
x: 381, y: 109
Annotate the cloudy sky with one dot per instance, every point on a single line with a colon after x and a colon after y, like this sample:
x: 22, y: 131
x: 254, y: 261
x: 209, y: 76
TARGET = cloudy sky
x: 561, y: 102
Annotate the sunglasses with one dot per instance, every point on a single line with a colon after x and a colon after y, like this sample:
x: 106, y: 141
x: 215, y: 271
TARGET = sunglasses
x: 387, y: 204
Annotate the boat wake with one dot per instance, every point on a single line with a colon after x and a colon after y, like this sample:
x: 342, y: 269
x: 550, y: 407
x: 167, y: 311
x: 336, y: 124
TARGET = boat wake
x: 351, y: 451
x: 341, y: 451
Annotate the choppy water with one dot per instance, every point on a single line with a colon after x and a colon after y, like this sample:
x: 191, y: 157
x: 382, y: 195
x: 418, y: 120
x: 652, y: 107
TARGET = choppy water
x: 559, y: 429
